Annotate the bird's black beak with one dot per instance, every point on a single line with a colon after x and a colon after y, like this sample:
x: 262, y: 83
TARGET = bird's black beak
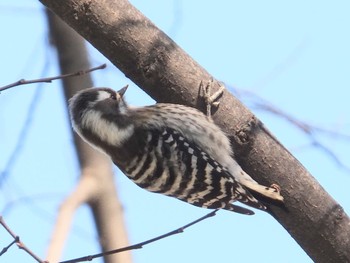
x: 123, y: 90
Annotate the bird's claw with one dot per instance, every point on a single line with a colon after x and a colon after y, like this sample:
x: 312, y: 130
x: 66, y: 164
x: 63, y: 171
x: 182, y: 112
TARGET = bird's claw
x: 210, y: 99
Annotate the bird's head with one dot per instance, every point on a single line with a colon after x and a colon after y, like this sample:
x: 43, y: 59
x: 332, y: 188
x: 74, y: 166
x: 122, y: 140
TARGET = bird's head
x: 96, y: 103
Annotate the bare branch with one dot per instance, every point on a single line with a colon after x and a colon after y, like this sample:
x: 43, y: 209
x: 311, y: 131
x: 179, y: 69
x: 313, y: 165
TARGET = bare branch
x: 96, y: 182
x: 19, y: 243
x: 50, y: 79
x: 79, y: 196
x: 14, y: 155
x: 160, y: 67
x: 4, y: 250
x: 310, y: 130
x: 142, y: 244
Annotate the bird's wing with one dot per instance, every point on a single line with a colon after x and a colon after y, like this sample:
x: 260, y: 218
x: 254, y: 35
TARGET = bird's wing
x: 208, y: 183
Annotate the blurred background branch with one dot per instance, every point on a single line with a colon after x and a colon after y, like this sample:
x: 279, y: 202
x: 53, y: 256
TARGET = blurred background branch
x: 96, y: 186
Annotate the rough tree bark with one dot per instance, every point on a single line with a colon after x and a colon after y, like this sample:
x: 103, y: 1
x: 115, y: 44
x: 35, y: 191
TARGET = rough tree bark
x: 161, y: 68
x: 96, y: 185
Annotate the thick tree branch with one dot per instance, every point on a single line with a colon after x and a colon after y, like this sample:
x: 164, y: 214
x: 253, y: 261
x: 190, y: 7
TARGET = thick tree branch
x: 155, y: 63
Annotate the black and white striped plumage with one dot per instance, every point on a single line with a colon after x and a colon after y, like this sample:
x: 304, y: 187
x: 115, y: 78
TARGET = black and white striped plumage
x: 166, y: 148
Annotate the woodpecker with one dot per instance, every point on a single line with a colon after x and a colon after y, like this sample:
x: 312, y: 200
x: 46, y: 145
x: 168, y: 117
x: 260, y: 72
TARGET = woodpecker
x: 170, y: 149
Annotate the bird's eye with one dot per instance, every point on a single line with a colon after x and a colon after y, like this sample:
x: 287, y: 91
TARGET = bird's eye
x: 113, y: 97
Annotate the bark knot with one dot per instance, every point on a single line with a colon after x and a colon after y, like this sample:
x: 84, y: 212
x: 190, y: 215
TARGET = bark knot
x: 246, y: 132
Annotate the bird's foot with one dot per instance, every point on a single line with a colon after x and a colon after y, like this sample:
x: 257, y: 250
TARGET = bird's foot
x: 211, y: 100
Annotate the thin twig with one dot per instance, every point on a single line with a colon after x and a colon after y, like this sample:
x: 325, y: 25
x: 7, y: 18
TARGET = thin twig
x: 310, y: 130
x: 140, y: 245
x: 22, y: 137
x: 4, y: 250
x: 50, y: 79
x: 18, y: 242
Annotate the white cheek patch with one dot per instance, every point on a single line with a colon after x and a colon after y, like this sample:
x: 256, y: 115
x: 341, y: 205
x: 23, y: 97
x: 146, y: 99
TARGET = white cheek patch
x: 106, y: 130
x: 102, y: 95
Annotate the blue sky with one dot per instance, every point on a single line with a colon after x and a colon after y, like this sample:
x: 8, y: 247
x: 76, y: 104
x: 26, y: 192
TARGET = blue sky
x: 293, y: 54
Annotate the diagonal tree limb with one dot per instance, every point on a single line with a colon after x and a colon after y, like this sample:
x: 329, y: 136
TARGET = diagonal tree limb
x: 155, y: 63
